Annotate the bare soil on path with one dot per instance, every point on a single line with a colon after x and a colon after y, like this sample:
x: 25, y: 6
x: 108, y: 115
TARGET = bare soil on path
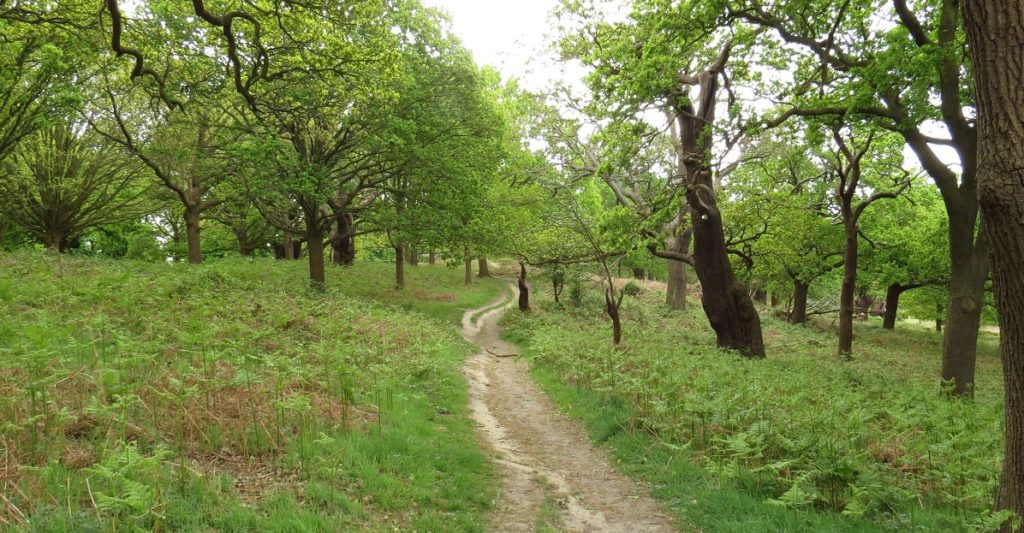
x: 553, y: 477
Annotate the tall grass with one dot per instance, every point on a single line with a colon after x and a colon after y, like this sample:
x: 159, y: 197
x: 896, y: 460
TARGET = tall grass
x: 801, y: 441
x: 138, y: 396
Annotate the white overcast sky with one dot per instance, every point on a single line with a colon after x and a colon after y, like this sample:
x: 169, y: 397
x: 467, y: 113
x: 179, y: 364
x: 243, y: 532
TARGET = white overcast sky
x: 512, y: 36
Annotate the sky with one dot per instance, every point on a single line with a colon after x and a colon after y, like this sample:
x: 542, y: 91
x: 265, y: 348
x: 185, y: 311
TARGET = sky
x: 512, y: 36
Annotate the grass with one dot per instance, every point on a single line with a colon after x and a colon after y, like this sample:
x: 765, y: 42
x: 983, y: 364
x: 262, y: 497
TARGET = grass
x: 228, y: 397
x: 802, y: 441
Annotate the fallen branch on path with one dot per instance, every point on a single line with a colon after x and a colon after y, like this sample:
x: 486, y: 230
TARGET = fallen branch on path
x: 501, y: 354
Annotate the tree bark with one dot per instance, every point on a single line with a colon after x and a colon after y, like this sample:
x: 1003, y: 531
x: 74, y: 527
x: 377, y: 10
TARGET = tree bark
x: 343, y: 245
x: 799, y: 313
x: 849, y: 288
x: 995, y: 33
x: 484, y: 270
x: 195, y: 249
x: 728, y: 306
x: 969, y: 270
x: 892, y: 304
x: 676, y: 283
x: 432, y: 258
x: 399, y: 266
x: 611, y: 306
x: 524, y: 289
x: 469, y: 267
x: 638, y: 273
x: 315, y: 247
x: 412, y: 255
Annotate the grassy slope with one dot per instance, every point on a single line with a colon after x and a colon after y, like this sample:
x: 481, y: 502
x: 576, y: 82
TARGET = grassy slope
x: 228, y: 397
x: 803, y: 441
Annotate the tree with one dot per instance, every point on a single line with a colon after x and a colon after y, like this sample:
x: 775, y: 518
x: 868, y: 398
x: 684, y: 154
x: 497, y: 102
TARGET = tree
x: 650, y: 61
x: 996, y: 38
x: 854, y: 194
x: 62, y: 182
x: 902, y: 76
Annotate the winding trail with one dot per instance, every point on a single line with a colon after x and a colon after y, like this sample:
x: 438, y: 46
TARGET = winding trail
x: 552, y: 475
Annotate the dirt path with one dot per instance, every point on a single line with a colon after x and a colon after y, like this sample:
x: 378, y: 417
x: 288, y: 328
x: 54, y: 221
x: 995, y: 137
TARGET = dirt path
x: 554, y: 479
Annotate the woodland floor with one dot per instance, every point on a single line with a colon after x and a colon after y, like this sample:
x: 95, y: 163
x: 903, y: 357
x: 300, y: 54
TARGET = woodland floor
x: 553, y: 477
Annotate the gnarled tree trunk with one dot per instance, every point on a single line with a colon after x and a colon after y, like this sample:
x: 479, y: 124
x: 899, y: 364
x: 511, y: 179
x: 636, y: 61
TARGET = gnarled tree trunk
x: 728, y: 306
x: 995, y: 31
x: 343, y: 243
x: 524, y: 289
x: 484, y: 271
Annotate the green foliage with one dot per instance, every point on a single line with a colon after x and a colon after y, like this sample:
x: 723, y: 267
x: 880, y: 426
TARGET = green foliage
x: 154, y: 396
x: 869, y: 438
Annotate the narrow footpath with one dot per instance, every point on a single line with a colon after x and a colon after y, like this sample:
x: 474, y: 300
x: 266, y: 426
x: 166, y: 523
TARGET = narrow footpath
x: 553, y: 477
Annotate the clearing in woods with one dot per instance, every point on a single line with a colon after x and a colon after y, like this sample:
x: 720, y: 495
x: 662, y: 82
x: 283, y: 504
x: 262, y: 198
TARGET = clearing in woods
x: 554, y: 478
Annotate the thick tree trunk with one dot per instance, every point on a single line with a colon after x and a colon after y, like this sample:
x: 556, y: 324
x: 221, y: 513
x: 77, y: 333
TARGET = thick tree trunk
x: 412, y: 255
x: 432, y: 258
x: 676, y: 282
x: 675, y: 290
x: 52, y: 240
x: 399, y: 266
x: 315, y: 247
x: 799, y: 313
x: 969, y: 269
x: 728, y: 306
x: 484, y: 271
x: 343, y: 245
x: 195, y: 249
x: 524, y: 289
x: 848, y: 291
x: 995, y: 31
x: 892, y: 304
x: 289, y: 248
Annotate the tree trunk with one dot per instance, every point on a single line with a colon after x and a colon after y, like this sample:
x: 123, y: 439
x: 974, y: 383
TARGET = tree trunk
x: 315, y: 247
x: 52, y: 240
x: 469, y: 267
x: 969, y: 270
x: 432, y: 258
x: 412, y: 255
x: 799, y: 313
x: 638, y: 273
x: 676, y: 283
x: 195, y: 250
x: 524, y: 290
x: 892, y: 304
x: 343, y: 245
x: 611, y: 306
x: 848, y: 291
x: 995, y: 31
x: 399, y: 266
x: 484, y: 271
x: 289, y: 248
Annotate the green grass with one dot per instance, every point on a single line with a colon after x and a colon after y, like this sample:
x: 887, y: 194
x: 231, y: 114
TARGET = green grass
x: 802, y: 441
x: 229, y: 397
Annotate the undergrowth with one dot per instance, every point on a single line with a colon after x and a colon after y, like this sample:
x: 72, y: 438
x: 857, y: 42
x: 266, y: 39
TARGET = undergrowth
x: 140, y: 396
x: 801, y: 441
